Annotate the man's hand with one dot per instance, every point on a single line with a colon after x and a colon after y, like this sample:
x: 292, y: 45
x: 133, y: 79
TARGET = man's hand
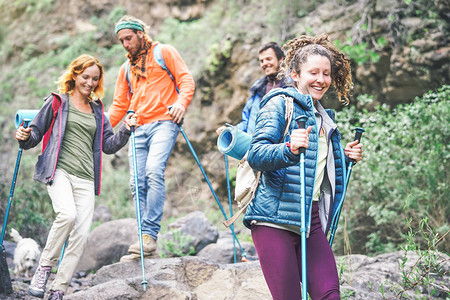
x: 177, y: 112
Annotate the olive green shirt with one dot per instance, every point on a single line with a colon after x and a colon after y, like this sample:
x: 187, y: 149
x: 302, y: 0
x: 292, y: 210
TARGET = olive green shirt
x: 76, y: 157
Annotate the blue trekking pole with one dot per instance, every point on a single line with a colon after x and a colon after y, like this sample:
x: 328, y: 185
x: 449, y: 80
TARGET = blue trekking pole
x: 138, y: 209
x: 244, y: 255
x: 229, y: 201
x: 6, y: 279
x: 301, y: 120
x: 335, y: 220
x: 13, y: 185
x: 63, y: 249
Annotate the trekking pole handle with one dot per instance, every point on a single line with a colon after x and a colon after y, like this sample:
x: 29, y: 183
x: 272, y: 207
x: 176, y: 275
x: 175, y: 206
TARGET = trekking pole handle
x: 26, y: 122
x: 131, y: 112
x: 301, y: 122
x: 358, y: 133
x: 181, y: 122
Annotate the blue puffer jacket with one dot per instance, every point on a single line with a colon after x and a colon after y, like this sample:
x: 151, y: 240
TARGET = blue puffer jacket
x: 277, y: 199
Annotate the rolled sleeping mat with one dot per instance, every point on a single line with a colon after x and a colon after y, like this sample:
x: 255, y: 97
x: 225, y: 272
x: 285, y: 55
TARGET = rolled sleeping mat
x: 25, y: 114
x: 234, y: 142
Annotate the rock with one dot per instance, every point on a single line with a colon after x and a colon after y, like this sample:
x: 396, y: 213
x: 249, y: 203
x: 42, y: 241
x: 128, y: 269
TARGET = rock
x: 191, y: 277
x: 177, y: 278
x: 188, y: 234
x: 102, y: 214
x: 107, y: 243
x: 223, y: 251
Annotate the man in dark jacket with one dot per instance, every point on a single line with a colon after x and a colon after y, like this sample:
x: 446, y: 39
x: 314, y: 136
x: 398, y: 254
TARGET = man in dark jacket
x: 270, y: 58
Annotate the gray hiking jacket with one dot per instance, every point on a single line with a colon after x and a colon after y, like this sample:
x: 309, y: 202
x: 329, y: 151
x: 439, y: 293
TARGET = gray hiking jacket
x: 104, y: 140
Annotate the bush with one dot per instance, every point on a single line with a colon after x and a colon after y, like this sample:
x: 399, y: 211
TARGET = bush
x: 405, y: 165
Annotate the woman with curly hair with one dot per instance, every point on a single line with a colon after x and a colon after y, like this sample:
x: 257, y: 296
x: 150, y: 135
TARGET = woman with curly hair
x: 274, y: 215
x: 70, y: 165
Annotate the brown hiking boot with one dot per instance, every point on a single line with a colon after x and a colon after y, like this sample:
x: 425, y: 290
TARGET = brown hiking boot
x: 148, y: 246
x: 131, y: 257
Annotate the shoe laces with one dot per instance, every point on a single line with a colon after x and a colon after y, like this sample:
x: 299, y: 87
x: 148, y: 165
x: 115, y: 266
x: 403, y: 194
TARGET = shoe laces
x: 44, y: 273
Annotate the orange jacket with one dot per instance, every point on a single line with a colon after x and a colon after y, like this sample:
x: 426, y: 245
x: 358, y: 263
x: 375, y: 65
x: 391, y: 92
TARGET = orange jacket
x: 152, y: 95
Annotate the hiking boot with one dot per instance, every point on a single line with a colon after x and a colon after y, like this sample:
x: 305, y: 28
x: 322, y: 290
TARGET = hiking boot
x: 131, y: 257
x: 55, y: 295
x: 148, y: 246
x: 39, y: 281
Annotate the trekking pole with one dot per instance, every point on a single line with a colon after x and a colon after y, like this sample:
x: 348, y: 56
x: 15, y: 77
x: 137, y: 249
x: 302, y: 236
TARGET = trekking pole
x: 301, y: 120
x: 13, y: 185
x: 335, y: 220
x: 63, y: 249
x: 5, y: 278
x: 244, y: 255
x: 229, y: 201
x: 138, y: 209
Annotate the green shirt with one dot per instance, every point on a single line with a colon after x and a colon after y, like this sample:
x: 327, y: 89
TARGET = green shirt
x: 76, y: 157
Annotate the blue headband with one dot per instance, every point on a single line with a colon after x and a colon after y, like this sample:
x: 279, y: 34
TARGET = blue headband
x: 129, y: 25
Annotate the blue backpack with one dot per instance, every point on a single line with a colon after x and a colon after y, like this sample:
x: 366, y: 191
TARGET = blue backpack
x: 160, y: 60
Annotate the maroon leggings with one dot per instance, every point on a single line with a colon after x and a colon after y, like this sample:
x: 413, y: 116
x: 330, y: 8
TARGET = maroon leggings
x: 279, y: 253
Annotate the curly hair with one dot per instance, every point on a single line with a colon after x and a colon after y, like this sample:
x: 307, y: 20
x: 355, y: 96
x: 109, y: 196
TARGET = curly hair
x: 66, y: 82
x: 299, y: 49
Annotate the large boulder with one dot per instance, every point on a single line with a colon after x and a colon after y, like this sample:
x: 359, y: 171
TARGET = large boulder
x: 107, y: 243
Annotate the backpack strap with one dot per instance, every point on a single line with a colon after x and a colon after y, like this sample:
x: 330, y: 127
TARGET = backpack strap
x: 161, y: 62
x: 127, y: 75
x: 288, y: 118
x: 56, y: 104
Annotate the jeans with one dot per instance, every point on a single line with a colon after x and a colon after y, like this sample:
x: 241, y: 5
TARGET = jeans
x: 73, y: 201
x: 279, y: 253
x: 154, y: 143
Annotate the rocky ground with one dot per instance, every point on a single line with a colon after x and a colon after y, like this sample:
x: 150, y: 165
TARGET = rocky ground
x: 211, y: 273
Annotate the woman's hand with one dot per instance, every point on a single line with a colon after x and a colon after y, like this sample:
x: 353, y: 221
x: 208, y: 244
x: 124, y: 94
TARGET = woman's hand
x: 22, y: 134
x: 131, y: 120
x: 300, y: 139
x: 354, y: 151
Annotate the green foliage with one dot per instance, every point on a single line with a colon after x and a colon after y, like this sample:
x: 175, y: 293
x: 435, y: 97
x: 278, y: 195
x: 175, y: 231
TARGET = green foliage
x: 420, y: 267
x: 360, y: 52
x: 219, y: 54
x: 405, y: 165
x: 30, y: 5
x: 31, y: 208
x: 177, y: 245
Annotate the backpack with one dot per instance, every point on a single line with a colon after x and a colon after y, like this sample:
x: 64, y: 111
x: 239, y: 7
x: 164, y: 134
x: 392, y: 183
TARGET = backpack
x: 161, y: 62
x: 247, y: 179
x: 55, y: 106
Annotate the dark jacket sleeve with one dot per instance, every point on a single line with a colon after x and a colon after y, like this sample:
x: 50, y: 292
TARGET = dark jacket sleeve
x: 114, y: 142
x: 39, y: 125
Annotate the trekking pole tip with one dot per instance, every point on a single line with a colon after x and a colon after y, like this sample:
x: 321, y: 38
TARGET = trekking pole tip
x: 144, y: 285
